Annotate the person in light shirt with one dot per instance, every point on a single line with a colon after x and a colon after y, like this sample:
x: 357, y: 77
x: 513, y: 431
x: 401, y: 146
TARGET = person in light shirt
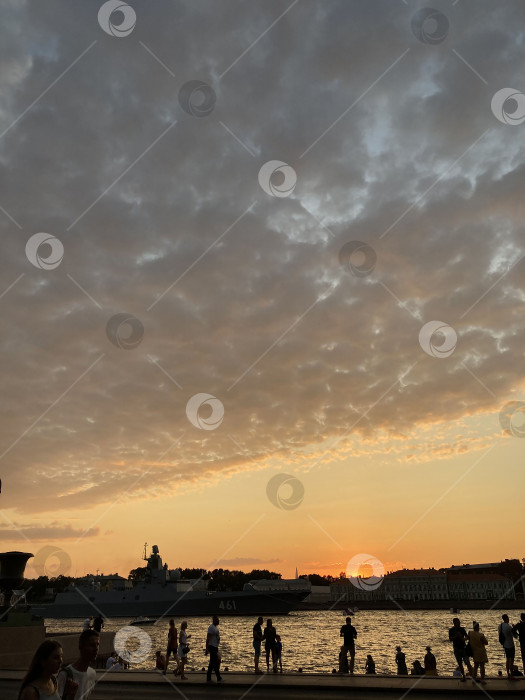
x: 112, y: 664
x: 87, y: 623
x: 81, y: 670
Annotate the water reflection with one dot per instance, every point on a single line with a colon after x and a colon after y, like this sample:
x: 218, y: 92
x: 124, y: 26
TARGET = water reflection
x: 311, y: 639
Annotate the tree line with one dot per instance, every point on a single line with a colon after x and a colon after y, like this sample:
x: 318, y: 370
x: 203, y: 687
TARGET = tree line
x: 218, y: 580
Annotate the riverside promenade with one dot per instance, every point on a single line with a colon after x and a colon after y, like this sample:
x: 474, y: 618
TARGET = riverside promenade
x: 138, y: 685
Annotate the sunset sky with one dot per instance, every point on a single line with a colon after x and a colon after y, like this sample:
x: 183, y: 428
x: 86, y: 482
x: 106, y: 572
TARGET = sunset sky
x: 136, y: 141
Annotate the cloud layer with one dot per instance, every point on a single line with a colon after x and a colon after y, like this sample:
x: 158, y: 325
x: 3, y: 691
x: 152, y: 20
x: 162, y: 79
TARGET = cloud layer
x: 241, y: 295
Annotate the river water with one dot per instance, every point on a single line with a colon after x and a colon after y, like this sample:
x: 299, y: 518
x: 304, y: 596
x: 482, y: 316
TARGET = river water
x: 311, y: 639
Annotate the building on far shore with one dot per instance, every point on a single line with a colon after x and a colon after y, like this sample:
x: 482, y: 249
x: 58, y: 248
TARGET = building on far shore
x: 480, y: 586
x: 406, y: 584
x: 512, y: 572
x: 416, y: 584
x: 475, y: 582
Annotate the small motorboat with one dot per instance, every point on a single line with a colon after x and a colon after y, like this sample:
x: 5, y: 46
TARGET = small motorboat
x: 140, y: 621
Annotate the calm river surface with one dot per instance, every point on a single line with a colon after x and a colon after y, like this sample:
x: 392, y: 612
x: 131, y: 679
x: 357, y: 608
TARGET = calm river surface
x: 311, y: 638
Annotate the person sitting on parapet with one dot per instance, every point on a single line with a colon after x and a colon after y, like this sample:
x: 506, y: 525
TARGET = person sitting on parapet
x: 112, y: 660
x: 112, y: 664
x: 417, y: 669
x: 370, y: 666
x: 81, y: 670
x: 160, y: 661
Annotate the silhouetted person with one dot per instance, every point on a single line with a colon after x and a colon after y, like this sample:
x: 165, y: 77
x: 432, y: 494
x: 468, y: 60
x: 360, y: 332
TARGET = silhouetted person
x: 370, y: 667
x: 257, y: 640
x: 506, y: 637
x: 430, y: 663
x: 160, y: 661
x: 519, y: 629
x: 98, y: 623
x: 478, y: 642
x: 183, y: 648
x: 173, y: 644
x: 213, y: 639
x: 270, y: 642
x: 458, y: 636
x: 417, y: 669
x: 349, y: 633
x: 279, y: 652
x: 401, y: 663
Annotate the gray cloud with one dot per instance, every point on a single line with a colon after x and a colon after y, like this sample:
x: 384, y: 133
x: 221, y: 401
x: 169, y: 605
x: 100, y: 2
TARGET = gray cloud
x: 73, y: 438
x: 53, y: 531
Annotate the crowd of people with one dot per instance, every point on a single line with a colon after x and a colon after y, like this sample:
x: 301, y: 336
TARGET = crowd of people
x: 469, y: 649
x: 48, y: 677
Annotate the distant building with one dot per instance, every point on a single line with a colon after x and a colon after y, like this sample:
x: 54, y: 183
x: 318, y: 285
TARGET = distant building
x: 509, y: 574
x: 492, y: 568
x: 480, y: 586
x: 416, y: 584
x: 466, y: 582
x: 406, y: 584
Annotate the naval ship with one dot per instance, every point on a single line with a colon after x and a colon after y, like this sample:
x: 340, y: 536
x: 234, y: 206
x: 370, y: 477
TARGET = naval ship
x: 164, y: 592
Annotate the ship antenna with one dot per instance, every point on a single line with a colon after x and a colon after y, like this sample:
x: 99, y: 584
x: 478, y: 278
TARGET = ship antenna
x: 145, y: 551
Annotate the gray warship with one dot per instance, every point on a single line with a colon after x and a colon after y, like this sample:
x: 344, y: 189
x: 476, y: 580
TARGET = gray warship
x: 166, y: 593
